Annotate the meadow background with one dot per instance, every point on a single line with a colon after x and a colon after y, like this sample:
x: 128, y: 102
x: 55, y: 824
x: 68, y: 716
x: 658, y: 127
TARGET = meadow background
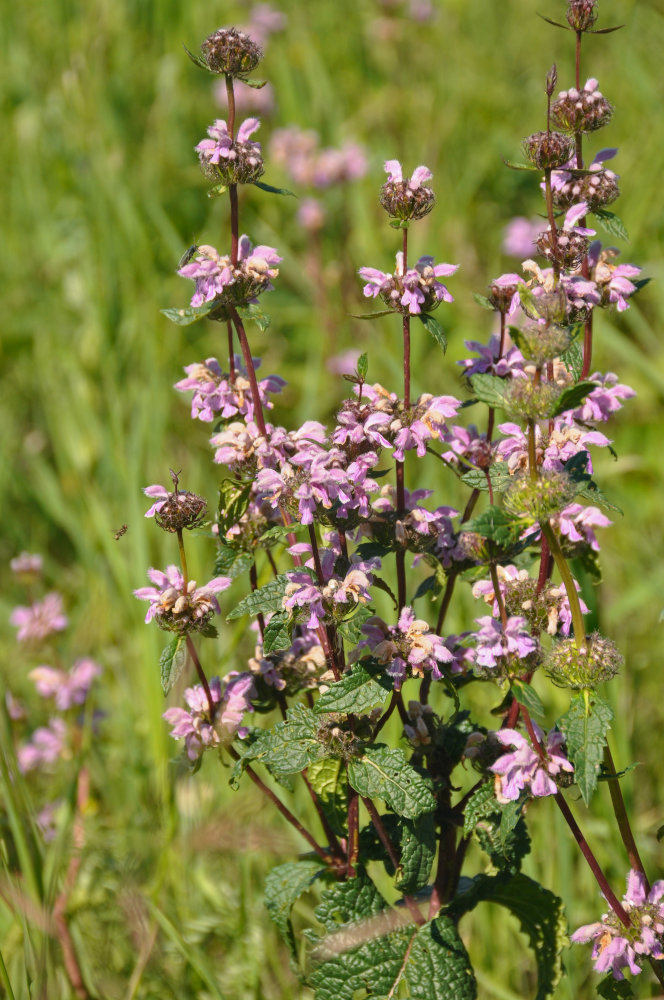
x: 101, y: 195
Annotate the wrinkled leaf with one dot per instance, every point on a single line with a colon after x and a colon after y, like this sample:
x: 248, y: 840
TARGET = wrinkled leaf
x: 328, y: 779
x: 363, y: 687
x: 528, y: 696
x: 233, y: 502
x: 585, y: 727
x: 287, y: 748
x: 611, y: 223
x: 172, y: 662
x: 498, y: 473
x: 483, y: 301
x: 613, y: 989
x: 232, y: 562
x: 262, y: 601
x: 417, y: 847
x: 489, y: 389
x: 189, y: 315
x: 350, y: 630
x: 571, y: 398
x: 283, y: 886
x: 383, y: 772
x: 256, y: 314
x: 277, y: 634
x: 496, y: 524
x: 197, y: 60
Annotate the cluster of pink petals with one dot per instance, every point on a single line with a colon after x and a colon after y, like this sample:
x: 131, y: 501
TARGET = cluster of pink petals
x: 299, y: 153
x: 617, y: 947
x: 576, y: 523
x: 231, y: 698
x: 493, y: 643
x: 68, y: 688
x: 215, y: 395
x: 415, y: 291
x: 524, y: 768
x: 419, y: 176
x: 26, y: 564
x: 490, y: 359
x: 220, y: 146
x: 553, y: 448
x: 558, y: 607
x: 169, y: 589
x: 409, y: 647
x: 46, y: 746
x: 40, y: 620
x: 214, y: 272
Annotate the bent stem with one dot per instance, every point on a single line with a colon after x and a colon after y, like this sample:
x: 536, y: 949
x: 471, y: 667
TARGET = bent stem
x: 622, y: 819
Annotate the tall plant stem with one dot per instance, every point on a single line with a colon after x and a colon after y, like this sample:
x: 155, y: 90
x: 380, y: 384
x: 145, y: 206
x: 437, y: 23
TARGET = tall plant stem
x: 329, y: 631
x: 202, y: 678
x: 393, y: 856
x: 251, y: 371
x: 69, y: 956
x: 285, y: 812
x: 253, y: 580
x: 584, y: 847
x: 622, y: 819
x: 353, y: 833
x: 231, y: 353
x: 568, y: 582
x: 329, y: 832
x: 400, y: 482
x: 183, y: 562
x: 232, y: 188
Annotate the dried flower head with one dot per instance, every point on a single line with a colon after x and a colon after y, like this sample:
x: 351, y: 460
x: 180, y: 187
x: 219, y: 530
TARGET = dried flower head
x: 548, y: 149
x: 569, y: 666
x: 177, y: 510
x: 231, y: 52
x: 581, y: 110
x: 408, y: 198
x: 566, y: 247
x: 597, y: 187
x: 581, y: 14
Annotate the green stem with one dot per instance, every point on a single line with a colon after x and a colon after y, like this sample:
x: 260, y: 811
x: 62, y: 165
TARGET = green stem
x: 568, y: 582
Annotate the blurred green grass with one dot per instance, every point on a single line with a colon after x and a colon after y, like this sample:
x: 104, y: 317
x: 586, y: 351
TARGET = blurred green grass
x: 101, y: 195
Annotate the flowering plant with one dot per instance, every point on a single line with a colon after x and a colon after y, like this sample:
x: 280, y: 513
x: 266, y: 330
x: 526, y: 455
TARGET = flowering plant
x: 304, y: 514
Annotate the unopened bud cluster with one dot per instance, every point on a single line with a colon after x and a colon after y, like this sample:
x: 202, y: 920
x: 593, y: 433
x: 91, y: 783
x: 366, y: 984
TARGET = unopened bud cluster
x: 539, y: 343
x: 563, y: 247
x: 181, y: 510
x: 529, y: 400
x: 598, y: 660
x: 231, y: 52
x: 537, y: 499
x: 598, y: 189
x: 582, y: 14
x: 582, y: 110
x: 548, y: 149
x: 400, y: 201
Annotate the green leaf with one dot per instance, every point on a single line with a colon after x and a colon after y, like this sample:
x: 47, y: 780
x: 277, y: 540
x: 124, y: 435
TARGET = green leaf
x: 435, y: 329
x: 328, y: 779
x: 197, y: 60
x: 363, y: 366
x: 377, y: 581
x: 498, y: 473
x: 374, y: 315
x: 233, y: 502
x: 489, y: 389
x: 417, y: 844
x: 571, y: 398
x: 350, y: 630
x: 499, y: 828
x: 520, y: 166
x: 189, y: 315
x: 217, y: 191
x: 255, y: 313
x: 383, y: 772
x: 539, y: 912
x: 497, y: 525
x: 254, y: 84
x: 572, y: 358
x: 232, y: 562
x: 575, y: 467
x: 277, y: 532
x: 288, y: 747
x: 556, y: 24
x: 484, y: 302
x: 611, y: 223
x: 432, y: 585
x: 368, y: 951
x: 264, y: 600
x: 605, y: 31
x: 585, y: 726
x: 283, y: 886
x: 172, y: 662
x: 399, y: 223
x: 481, y: 804
x: 612, y: 989
x: 277, y: 633
x: 273, y: 190
x: 365, y: 686
x: 528, y: 696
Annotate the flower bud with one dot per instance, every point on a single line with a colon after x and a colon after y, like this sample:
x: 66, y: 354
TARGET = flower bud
x: 231, y: 51
x: 565, y: 248
x: 581, y: 14
x: 581, y: 110
x: 596, y: 661
x: 529, y: 401
x: 537, y: 499
x: 181, y: 510
x: 406, y: 198
x: 548, y: 149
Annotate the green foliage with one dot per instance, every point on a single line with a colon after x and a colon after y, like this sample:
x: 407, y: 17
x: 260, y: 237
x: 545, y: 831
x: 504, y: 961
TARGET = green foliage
x: 416, y: 841
x: 383, y: 772
x: 585, y: 726
x: 283, y: 887
x: 499, y: 475
x: 367, y: 953
x: 611, y: 223
x: 528, y: 696
x: 571, y: 398
x: 232, y: 562
x: 489, y: 389
x: 287, y: 748
x: 435, y: 329
x: 233, y: 502
x: 172, y: 662
x: 262, y: 601
x: 540, y: 913
x: 255, y: 313
x: 497, y: 525
x: 613, y: 989
x: 273, y: 190
x: 277, y: 633
x: 328, y: 779
x: 350, y: 629
x: 500, y: 829
x: 363, y: 687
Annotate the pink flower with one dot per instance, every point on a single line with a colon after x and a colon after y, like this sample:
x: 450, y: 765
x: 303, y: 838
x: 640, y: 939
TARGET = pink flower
x: 40, y: 620
x: 68, y: 689
x: 45, y: 747
x: 524, y: 768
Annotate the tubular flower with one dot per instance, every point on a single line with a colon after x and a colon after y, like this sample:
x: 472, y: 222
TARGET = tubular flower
x: 231, y: 160
x: 413, y: 292
x: 406, y: 198
x: 179, y: 609
x: 40, y: 620
x: 230, y: 285
x: 524, y: 768
x: 615, y: 946
x: 214, y: 393
x: 408, y: 647
x: 231, y: 698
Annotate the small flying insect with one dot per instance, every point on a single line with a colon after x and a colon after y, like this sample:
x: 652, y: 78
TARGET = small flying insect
x: 120, y: 532
x: 187, y: 255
